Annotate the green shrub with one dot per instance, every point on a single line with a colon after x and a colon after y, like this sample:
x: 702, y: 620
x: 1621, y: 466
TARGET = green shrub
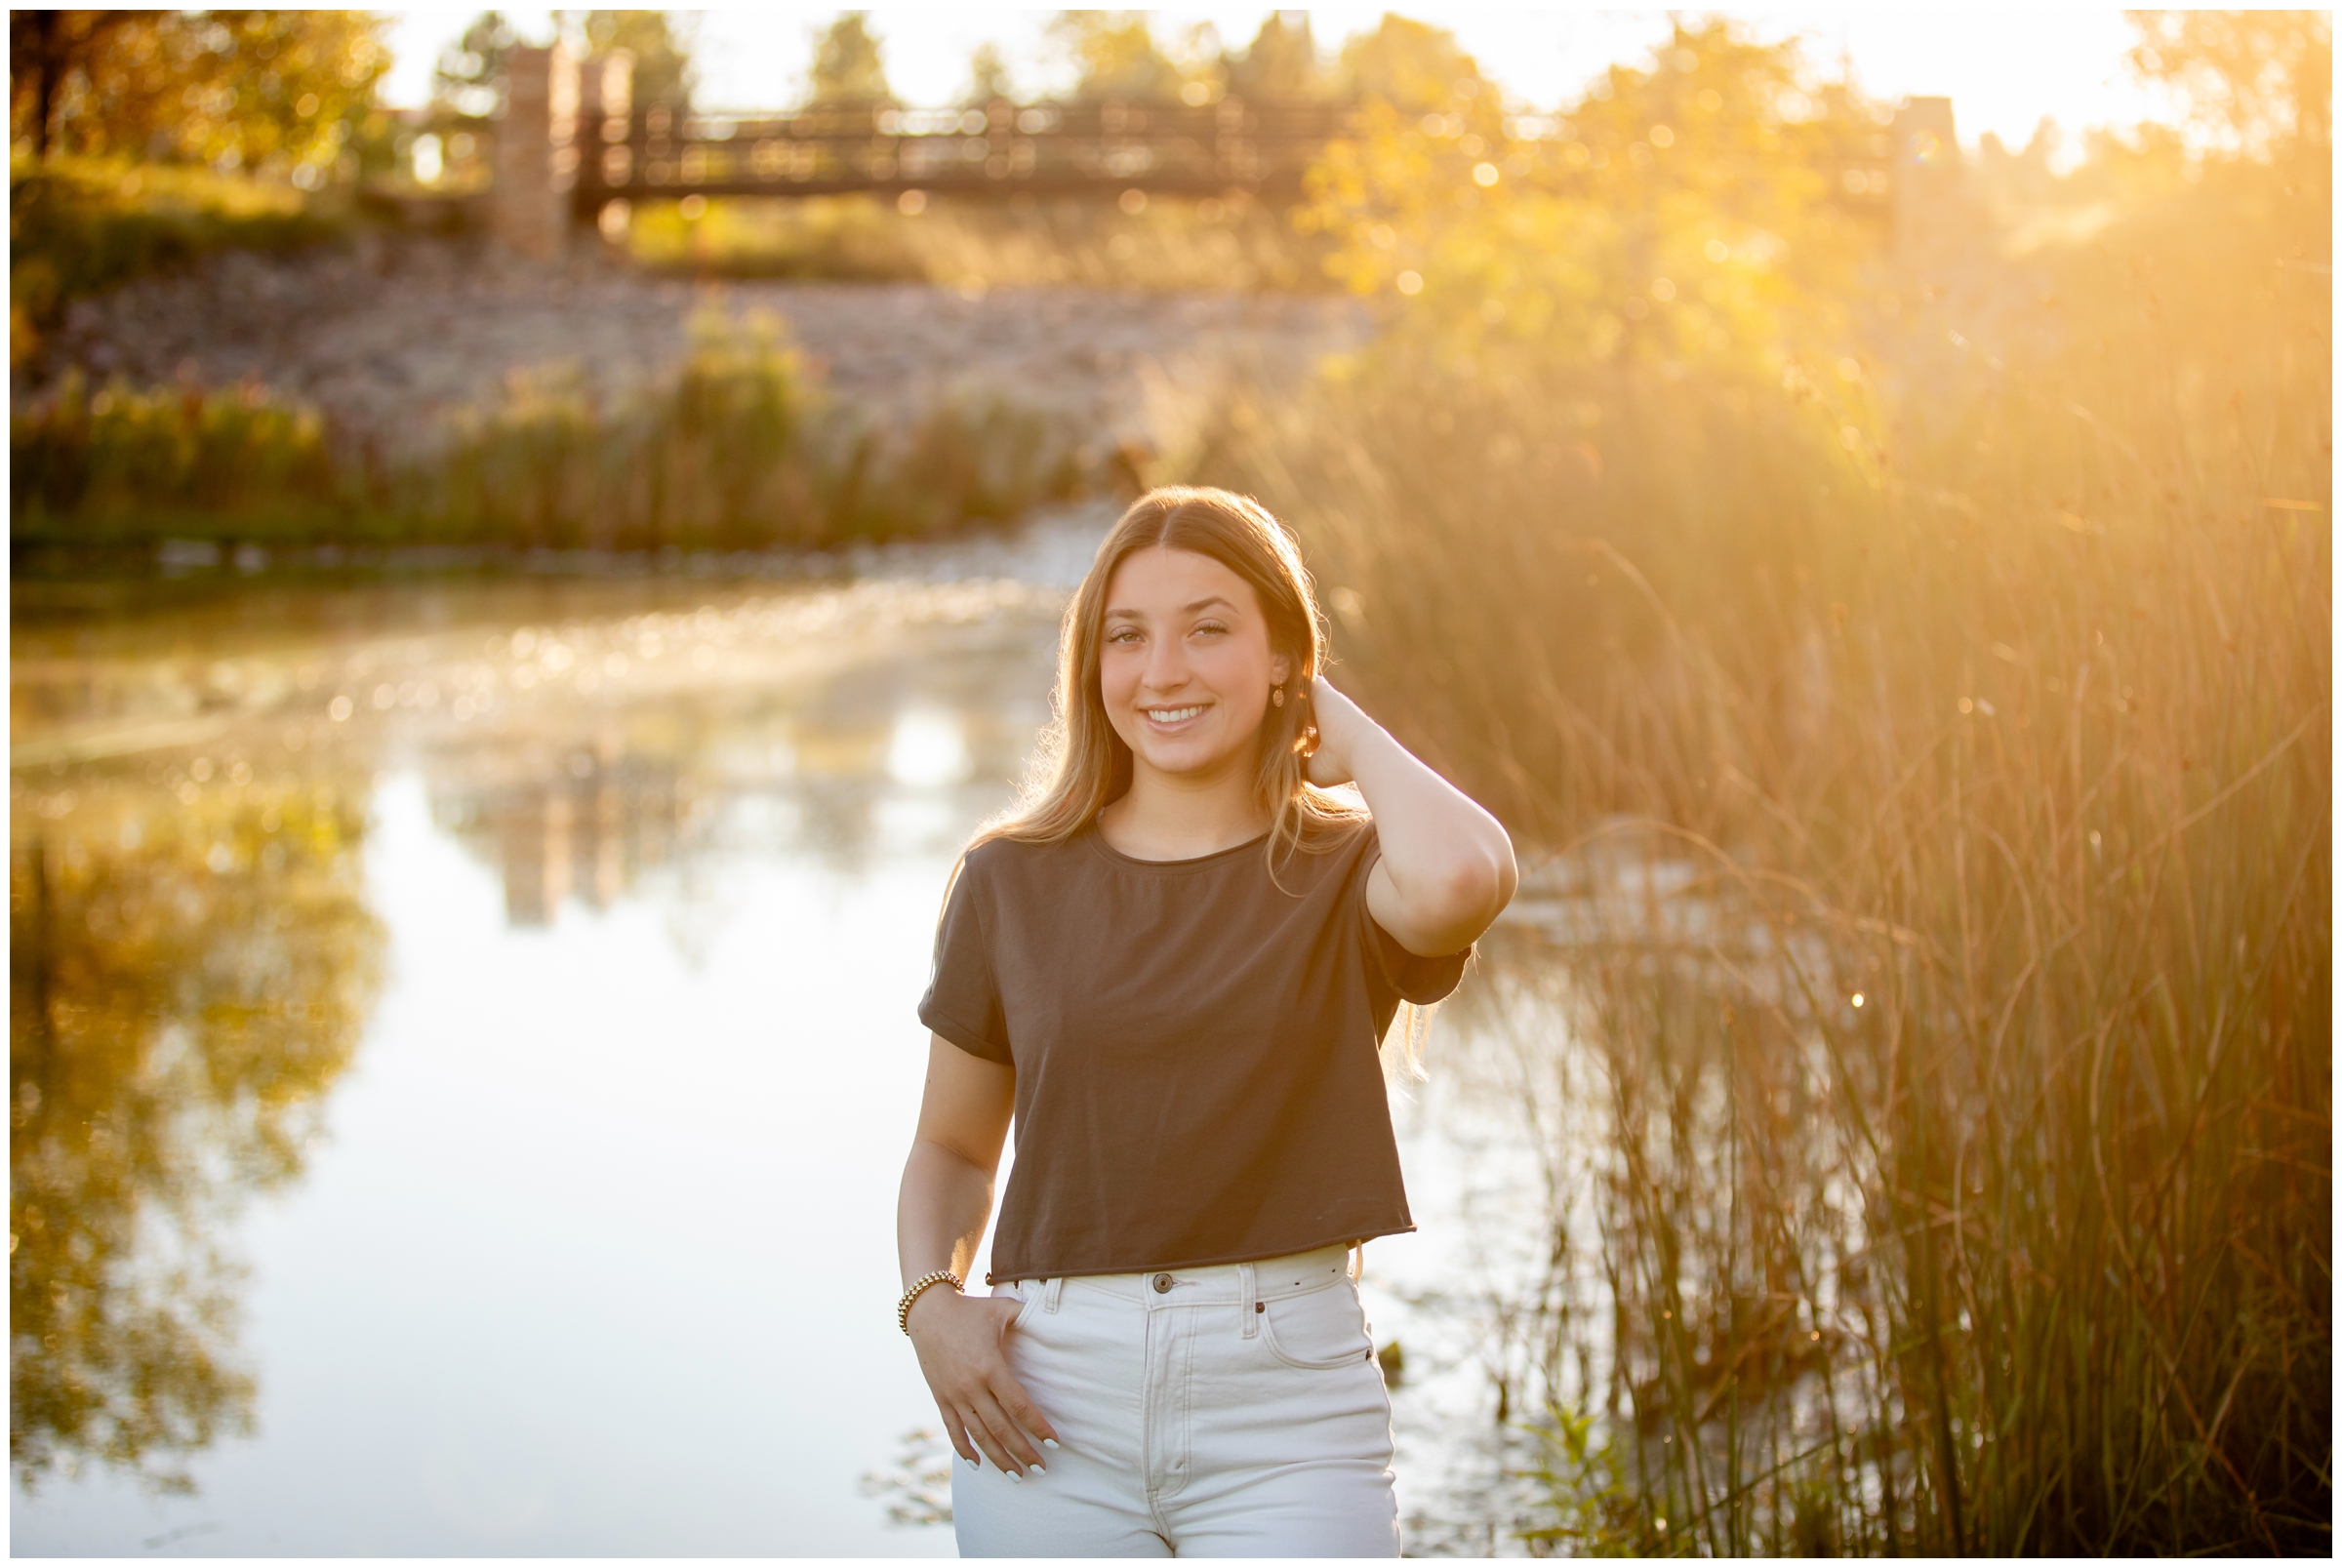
x: 120, y: 459
x: 738, y: 450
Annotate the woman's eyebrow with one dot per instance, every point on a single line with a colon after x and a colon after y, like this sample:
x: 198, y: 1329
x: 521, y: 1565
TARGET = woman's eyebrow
x: 1184, y: 609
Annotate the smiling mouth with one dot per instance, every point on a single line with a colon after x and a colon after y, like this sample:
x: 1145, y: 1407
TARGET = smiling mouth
x: 1174, y: 715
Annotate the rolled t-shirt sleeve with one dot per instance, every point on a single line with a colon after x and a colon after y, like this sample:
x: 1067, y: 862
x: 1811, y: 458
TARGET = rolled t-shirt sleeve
x: 1415, y: 977
x: 962, y: 1003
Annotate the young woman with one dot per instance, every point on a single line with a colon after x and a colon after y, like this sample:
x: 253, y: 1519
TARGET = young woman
x: 1172, y: 968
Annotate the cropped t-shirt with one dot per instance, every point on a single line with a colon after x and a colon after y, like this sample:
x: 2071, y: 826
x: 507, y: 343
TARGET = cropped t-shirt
x: 1194, y: 1048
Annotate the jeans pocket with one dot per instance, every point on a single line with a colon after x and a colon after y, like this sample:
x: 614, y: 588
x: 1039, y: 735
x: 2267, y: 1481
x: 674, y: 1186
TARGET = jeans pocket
x: 1027, y: 1294
x: 1320, y: 1331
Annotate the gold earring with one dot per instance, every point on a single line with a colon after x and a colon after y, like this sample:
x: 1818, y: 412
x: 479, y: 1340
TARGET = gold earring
x: 1277, y: 694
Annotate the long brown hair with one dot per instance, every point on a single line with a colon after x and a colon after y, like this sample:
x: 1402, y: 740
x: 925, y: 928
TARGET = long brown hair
x: 1083, y: 765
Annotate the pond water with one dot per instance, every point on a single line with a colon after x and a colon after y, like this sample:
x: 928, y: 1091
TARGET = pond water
x: 462, y: 1052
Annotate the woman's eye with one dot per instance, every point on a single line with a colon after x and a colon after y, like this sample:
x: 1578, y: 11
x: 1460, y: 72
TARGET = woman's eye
x: 1210, y: 625
x: 1126, y: 634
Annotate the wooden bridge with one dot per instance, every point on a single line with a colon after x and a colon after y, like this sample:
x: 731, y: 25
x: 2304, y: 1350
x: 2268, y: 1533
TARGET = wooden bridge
x: 573, y: 142
x: 1049, y: 149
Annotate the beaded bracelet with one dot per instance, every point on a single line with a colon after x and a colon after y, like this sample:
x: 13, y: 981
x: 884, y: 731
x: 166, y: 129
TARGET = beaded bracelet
x: 939, y: 1276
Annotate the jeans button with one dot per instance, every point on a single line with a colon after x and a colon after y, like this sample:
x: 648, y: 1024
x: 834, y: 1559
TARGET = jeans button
x: 1162, y: 1284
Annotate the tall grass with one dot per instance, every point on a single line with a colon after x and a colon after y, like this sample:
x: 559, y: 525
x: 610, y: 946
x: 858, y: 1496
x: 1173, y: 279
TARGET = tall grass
x: 738, y: 449
x: 1937, y: 751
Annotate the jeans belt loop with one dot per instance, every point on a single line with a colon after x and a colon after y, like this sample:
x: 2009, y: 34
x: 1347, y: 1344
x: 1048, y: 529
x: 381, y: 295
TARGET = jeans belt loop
x: 1248, y: 1305
x: 1049, y: 1295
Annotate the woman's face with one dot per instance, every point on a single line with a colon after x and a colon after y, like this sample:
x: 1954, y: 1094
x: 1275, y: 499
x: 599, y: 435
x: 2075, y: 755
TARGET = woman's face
x: 1184, y: 660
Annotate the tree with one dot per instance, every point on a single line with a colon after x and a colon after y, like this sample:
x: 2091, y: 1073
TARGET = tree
x: 471, y: 73
x: 1282, y: 65
x: 276, y: 92
x: 1117, y: 55
x: 988, y: 76
x: 1411, y: 64
x: 1679, y: 212
x: 471, y: 76
x: 662, y: 67
x: 2261, y: 82
x: 847, y: 65
x: 43, y: 47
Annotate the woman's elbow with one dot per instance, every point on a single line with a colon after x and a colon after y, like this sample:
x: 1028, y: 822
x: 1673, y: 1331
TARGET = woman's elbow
x: 1498, y: 882
x: 1508, y: 871
x: 1472, y: 894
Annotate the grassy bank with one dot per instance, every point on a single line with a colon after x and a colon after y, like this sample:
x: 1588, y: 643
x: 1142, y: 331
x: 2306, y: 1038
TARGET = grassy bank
x: 1161, y: 242
x: 739, y: 449
x: 79, y: 226
x: 1966, y: 1106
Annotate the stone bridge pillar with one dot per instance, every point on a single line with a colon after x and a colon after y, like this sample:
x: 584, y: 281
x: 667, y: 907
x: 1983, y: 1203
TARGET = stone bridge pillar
x: 1926, y: 178
x: 536, y: 153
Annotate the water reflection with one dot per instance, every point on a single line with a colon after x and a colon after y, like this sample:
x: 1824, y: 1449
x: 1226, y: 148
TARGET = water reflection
x: 206, y: 906
x: 188, y: 978
x: 890, y: 752
x: 591, y: 824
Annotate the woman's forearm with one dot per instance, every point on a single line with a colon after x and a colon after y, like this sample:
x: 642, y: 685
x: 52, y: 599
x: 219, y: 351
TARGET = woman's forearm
x: 1449, y: 863
x: 946, y: 1199
x: 940, y: 1217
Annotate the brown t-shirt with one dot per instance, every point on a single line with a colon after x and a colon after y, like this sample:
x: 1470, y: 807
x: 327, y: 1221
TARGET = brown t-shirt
x: 1194, y: 1048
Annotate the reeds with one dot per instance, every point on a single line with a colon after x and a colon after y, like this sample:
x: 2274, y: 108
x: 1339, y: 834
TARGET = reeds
x: 1939, y: 754
x: 739, y: 448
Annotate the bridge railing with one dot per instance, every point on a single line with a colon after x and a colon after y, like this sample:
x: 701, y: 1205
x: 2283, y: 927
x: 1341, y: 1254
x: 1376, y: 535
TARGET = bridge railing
x: 1047, y: 148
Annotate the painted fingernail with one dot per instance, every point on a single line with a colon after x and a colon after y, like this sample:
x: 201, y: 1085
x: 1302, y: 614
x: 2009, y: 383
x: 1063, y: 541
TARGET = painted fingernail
x: 1048, y: 1442
x: 1012, y: 1476
x: 1039, y: 1469
x: 972, y: 1464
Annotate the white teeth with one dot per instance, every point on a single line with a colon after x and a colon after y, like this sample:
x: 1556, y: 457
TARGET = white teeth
x: 1171, y: 715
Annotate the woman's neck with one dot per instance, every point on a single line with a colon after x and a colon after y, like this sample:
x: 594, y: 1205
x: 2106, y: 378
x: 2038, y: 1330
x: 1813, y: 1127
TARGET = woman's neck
x: 1167, y: 818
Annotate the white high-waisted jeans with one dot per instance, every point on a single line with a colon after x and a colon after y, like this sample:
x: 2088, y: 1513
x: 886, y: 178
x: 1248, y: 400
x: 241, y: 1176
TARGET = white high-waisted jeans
x: 1235, y: 1411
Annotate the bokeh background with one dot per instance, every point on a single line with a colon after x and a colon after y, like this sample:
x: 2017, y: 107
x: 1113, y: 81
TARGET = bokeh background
x: 534, y: 538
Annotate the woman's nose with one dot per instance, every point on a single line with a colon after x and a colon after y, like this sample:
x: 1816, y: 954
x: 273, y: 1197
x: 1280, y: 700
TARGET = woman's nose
x: 1166, y: 667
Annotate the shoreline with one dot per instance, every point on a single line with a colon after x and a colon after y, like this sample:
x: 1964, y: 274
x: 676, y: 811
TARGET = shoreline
x: 1048, y: 549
